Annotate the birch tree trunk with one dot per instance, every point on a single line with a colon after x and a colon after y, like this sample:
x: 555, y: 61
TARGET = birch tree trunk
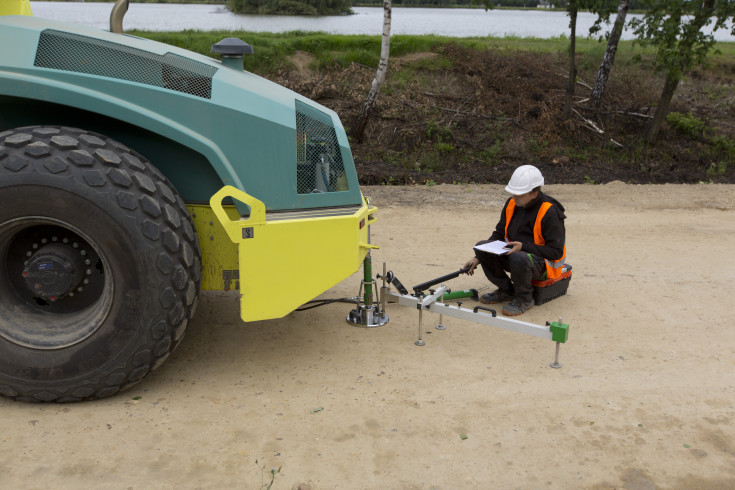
x: 607, y: 61
x: 662, y: 110
x: 358, y: 128
x: 688, y: 38
x: 572, y: 67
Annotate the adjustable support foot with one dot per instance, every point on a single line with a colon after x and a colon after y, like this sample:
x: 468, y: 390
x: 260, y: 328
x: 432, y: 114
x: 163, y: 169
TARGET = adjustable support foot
x: 556, y: 364
x: 420, y: 341
x: 559, y: 334
x: 440, y: 325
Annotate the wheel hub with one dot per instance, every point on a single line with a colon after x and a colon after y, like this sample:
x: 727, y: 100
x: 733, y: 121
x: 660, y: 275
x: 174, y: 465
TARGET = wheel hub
x: 54, y: 283
x: 54, y: 271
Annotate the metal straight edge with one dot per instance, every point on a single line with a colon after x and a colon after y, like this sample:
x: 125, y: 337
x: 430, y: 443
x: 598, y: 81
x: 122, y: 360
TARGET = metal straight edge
x: 479, y: 317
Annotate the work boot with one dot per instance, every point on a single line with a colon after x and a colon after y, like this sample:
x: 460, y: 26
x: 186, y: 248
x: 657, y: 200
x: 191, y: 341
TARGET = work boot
x: 517, y: 307
x: 496, y: 296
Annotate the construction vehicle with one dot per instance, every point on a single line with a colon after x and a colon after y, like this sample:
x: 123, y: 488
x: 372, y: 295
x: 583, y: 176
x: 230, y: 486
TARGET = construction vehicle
x: 134, y: 174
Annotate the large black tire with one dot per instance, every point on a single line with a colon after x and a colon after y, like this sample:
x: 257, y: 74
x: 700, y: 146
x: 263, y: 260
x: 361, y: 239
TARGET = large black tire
x: 99, y: 265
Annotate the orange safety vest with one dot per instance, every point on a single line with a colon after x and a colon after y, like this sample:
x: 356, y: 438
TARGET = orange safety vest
x: 553, y: 267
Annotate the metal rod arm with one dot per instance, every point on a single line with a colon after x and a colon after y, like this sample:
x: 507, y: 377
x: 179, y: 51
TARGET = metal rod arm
x: 426, y: 285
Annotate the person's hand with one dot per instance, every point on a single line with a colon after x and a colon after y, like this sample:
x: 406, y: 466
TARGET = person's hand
x: 472, y: 264
x: 514, y: 247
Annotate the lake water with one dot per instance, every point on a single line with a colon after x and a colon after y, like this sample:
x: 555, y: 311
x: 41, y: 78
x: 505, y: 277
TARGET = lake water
x: 367, y: 20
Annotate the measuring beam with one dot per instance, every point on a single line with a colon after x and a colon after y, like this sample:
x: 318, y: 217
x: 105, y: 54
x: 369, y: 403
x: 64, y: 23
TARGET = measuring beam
x: 477, y: 316
x: 555, y: 331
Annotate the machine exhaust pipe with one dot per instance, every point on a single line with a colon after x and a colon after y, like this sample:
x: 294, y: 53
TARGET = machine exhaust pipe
x: 117, y: 14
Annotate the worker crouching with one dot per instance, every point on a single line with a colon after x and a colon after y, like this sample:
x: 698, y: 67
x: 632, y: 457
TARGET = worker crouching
x: 532, y: 226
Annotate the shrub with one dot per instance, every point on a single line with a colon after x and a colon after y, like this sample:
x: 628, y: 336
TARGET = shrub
x: 687, y: 124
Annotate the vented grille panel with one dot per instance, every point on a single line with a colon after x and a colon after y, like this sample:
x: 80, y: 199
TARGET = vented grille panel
x: 70, y: 52
x: 319, y: 158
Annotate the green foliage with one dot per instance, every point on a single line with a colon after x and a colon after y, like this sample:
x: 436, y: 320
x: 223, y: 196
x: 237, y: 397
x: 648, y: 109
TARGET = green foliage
x: 442, y: 147
x: 290, y: 7
x: 443, y: 137
x: 402, y: 44
x: 490, y: 155
x: 431, y: 129
x: 675, y: 29
x: 514, y: 4
x: 438, y: 132
x: 726, y: 147
x: 536, y: 147
x: 687, y: 124
x: 273, y: 49
x: 716, y: 169
x: 719, y: 150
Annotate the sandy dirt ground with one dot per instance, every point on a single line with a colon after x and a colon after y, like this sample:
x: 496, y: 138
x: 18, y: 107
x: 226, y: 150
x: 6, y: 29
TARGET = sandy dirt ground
x: 645, y: 398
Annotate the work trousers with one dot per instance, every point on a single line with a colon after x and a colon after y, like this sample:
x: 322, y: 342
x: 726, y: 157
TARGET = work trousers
x: 523, y: 267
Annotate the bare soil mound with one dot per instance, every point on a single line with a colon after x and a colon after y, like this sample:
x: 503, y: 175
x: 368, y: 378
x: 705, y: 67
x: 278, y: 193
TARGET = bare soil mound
x: 461, y: 115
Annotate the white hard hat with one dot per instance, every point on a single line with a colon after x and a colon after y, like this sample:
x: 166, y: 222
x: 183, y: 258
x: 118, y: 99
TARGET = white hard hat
x: 525, y: 179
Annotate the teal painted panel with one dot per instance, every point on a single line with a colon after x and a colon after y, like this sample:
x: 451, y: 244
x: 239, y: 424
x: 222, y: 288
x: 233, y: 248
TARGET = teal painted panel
x: 245, y: 127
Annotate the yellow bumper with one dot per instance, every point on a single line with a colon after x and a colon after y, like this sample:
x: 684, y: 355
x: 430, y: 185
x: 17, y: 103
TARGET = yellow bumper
x: 287, y: 259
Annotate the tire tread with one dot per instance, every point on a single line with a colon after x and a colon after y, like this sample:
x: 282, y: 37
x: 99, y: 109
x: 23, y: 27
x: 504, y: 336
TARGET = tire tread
x: 104, y: 166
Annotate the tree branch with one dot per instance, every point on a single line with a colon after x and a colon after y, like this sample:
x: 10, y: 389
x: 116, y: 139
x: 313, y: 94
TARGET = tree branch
x: 588, y: 124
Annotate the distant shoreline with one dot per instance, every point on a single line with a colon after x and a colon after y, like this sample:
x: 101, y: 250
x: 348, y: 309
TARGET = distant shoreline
x: 358, y: 4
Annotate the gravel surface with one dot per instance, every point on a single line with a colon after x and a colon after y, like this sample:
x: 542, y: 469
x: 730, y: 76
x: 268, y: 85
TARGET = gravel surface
x: 645, y: 397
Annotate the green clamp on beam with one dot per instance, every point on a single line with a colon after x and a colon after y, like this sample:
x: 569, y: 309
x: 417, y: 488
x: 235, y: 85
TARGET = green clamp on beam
x: 559, y: 332
x: 466, y: 293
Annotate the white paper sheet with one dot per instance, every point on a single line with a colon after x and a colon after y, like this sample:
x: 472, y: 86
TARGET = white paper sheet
x: 497, y: 247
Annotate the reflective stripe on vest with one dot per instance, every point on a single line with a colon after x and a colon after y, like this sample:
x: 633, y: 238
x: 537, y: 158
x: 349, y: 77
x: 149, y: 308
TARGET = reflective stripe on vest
x: 553, y: 267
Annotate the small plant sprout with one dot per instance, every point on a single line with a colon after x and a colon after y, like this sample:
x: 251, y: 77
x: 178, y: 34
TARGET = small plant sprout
x: 273, y: 472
